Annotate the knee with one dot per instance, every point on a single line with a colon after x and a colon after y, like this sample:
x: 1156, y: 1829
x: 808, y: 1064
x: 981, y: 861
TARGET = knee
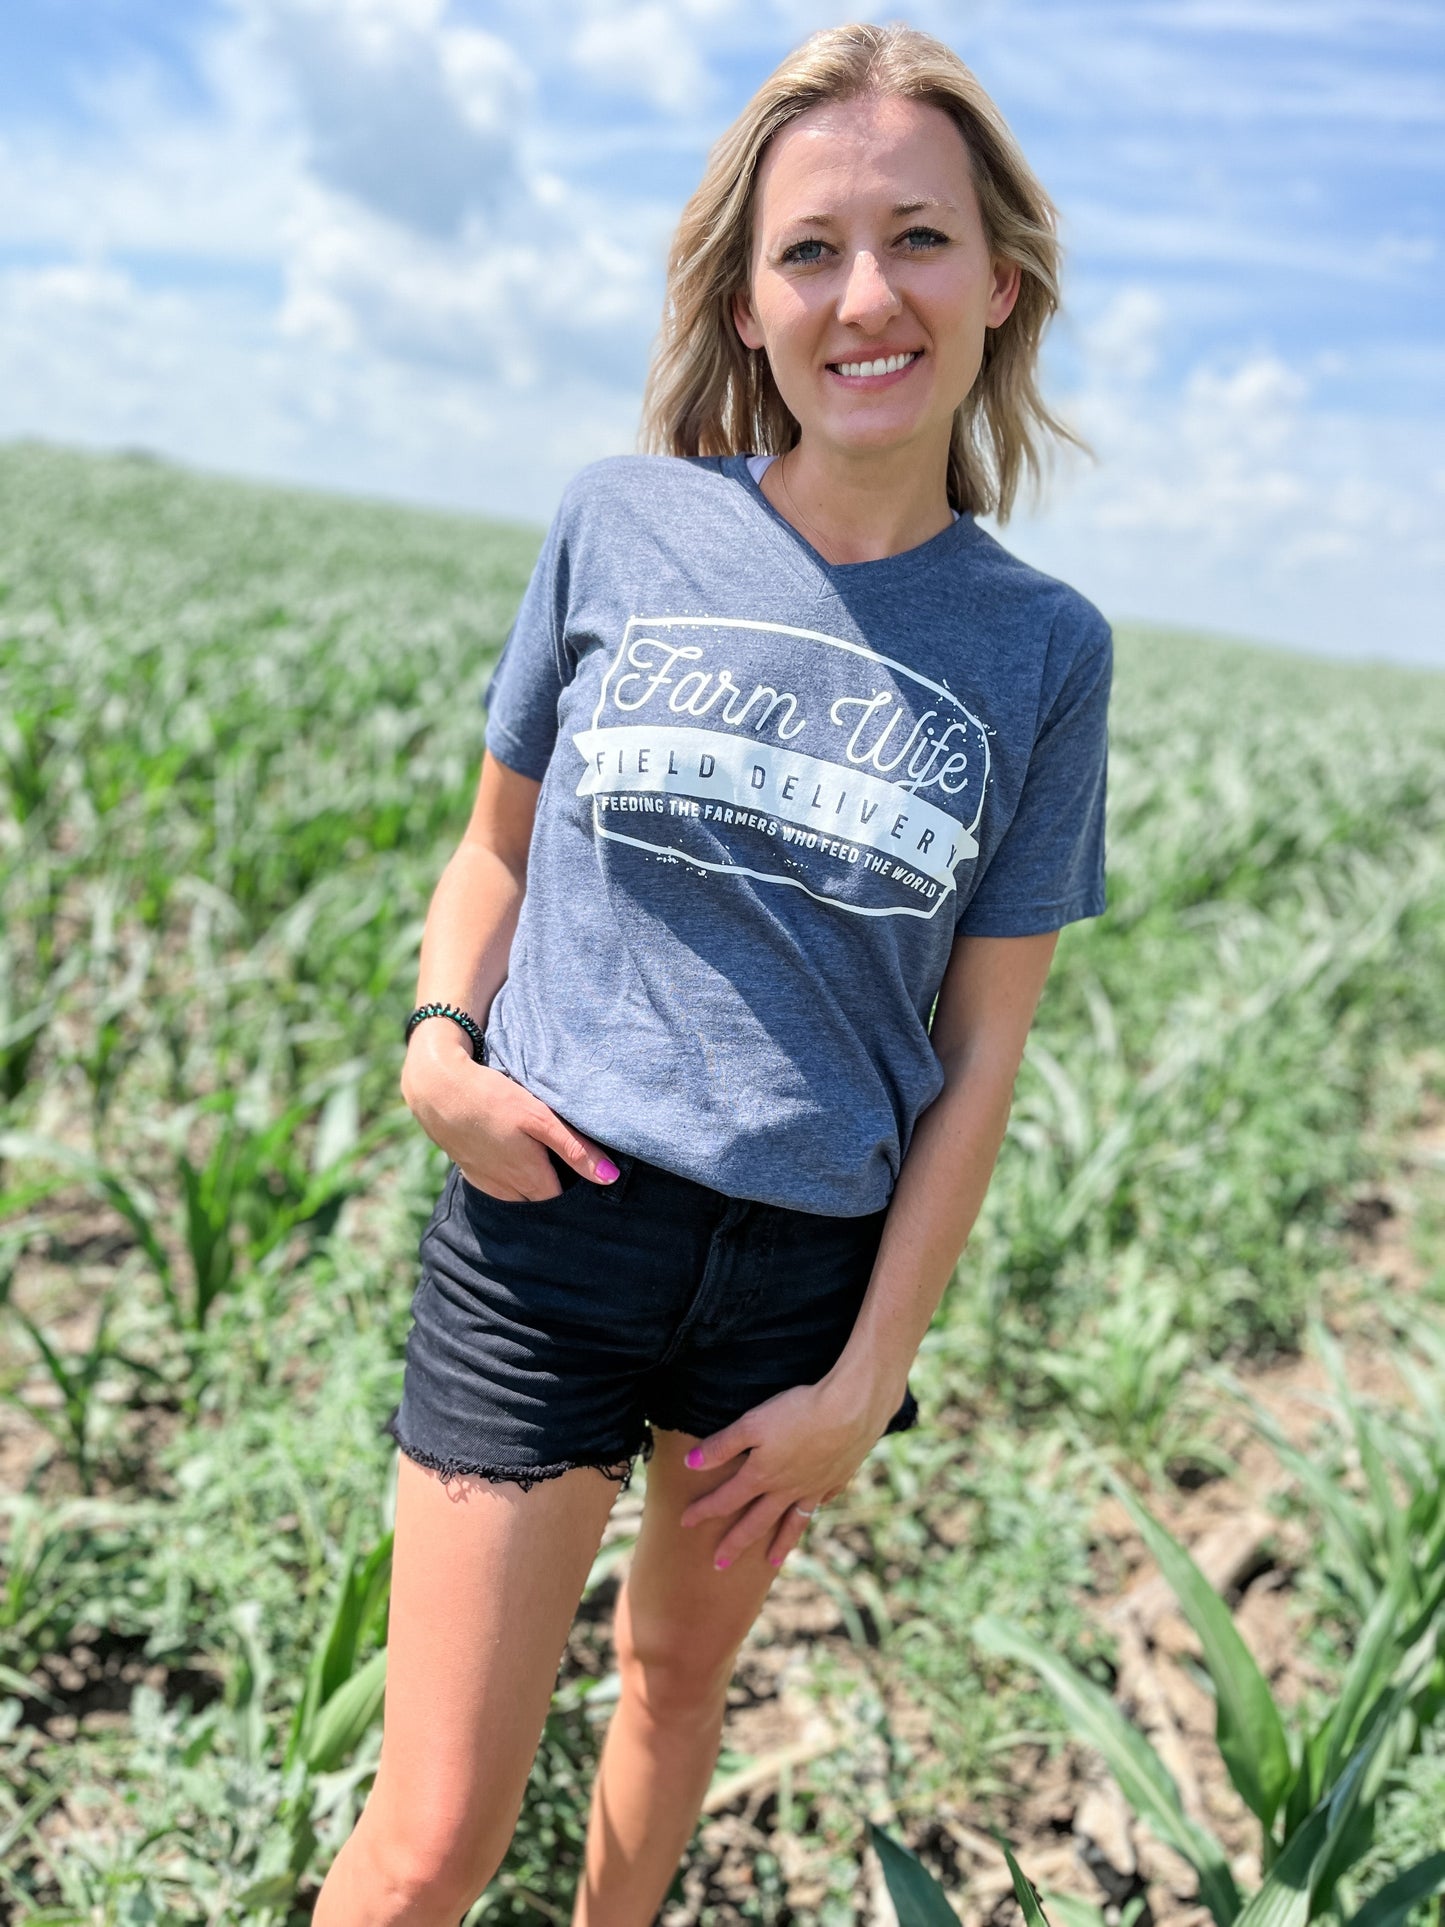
x: 430, y: 1869
x: 671, y: 1673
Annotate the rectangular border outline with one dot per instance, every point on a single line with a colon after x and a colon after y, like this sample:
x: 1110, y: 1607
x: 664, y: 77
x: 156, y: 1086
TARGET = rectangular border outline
x: 805, y: 635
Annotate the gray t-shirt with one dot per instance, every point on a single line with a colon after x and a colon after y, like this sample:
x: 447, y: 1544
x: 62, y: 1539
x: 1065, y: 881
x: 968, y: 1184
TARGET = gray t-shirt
x: 773, y: 791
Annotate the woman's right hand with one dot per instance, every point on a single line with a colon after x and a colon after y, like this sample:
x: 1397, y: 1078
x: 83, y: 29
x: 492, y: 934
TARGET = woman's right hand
x: 494, y: 1131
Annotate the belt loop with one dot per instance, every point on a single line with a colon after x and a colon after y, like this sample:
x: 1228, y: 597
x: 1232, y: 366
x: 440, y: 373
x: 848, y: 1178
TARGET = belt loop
x: 625, y: 1162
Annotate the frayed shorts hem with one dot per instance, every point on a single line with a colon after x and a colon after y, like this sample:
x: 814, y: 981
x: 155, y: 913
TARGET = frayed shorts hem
x: 526, y: 1476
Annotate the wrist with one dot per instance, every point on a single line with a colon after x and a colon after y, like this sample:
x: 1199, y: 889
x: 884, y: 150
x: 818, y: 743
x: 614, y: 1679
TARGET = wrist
x: 453, y: 1014
x: 435, y: 1053
x: 874, y: 1388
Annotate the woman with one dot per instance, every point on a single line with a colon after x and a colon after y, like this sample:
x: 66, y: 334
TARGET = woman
x: 784, y: 759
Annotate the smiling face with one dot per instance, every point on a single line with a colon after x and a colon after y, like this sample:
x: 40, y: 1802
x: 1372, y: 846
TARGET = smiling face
x: 871, y: 283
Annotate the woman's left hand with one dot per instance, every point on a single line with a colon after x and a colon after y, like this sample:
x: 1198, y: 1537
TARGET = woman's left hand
x: 799, y: 1448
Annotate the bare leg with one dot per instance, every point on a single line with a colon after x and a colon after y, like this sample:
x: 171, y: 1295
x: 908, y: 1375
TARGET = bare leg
x: 486, y: 1580
x: 679, y: 1626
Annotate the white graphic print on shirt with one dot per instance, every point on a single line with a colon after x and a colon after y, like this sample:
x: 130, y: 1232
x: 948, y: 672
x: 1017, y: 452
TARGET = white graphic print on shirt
x: 788, y: 755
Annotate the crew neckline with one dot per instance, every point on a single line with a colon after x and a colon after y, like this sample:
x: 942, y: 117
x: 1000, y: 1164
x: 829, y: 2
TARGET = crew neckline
x: 797, y: 545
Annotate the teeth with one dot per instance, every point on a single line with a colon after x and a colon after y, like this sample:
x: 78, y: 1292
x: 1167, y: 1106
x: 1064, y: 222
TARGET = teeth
x: 888, y: 367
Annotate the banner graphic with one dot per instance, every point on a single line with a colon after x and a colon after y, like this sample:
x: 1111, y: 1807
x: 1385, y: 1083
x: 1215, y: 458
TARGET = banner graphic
x: 789, y: 756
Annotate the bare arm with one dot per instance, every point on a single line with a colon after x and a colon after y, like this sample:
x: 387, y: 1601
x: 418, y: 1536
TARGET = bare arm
x: 985, y: 1007
x: 804, y: 1445
x: 493, y: 1129
x: 473, y: 912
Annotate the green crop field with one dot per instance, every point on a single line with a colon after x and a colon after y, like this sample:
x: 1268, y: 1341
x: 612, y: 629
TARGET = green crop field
x: 239, y: 736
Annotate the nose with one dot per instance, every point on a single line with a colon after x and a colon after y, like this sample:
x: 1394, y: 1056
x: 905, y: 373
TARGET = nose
x: 868, y: 300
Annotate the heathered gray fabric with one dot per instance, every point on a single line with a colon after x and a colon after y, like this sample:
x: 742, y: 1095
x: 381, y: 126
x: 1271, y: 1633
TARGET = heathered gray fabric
x: 773, y: 789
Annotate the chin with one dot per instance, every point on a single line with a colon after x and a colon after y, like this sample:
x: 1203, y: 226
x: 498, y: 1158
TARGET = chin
x: 877, y: 438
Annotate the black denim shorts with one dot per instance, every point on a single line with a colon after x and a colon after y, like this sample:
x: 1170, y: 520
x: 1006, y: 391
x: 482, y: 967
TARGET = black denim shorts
x: 552, y: 1334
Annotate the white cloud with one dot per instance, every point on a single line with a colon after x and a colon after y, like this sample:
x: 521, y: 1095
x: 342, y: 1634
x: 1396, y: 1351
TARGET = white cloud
x: 1231, y: 498
x: 1124, y: 338
x: 1300, y: 20
x: 141, y: 176
x: 501, y: 304
x: 648, y: 51
x: 208, y: 382
x: 413, y: 117
x: 384, y: 257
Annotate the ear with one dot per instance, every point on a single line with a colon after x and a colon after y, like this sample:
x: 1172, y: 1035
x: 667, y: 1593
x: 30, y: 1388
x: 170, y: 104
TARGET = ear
x: 1008, y: 277
x: 745, y: 321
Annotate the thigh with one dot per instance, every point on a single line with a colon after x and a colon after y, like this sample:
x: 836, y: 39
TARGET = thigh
x: 485, y: 1583
x: 676, y: 1610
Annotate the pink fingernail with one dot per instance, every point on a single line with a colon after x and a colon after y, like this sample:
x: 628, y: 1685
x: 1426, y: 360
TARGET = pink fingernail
x: 607, y: 1170
x: 774, y: 1562
x: 722, y: 1564
x: 694, y: 1458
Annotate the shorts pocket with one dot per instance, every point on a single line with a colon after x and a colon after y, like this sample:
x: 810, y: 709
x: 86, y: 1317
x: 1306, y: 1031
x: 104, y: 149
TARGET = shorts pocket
x: 478, y: 1201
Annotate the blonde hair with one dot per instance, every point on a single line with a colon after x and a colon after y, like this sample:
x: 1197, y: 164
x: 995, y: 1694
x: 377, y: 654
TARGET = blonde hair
x: 707, y: 394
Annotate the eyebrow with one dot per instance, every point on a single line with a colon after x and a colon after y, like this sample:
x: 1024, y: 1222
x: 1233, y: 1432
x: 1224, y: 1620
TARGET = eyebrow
x: 900, y: 208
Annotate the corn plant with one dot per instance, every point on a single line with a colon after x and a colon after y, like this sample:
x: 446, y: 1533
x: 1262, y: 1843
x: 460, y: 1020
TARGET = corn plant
x: 20, y: 1037
x: 920, y: 1901
x: 75, y: 1375
x: 256, y: 794
x: 30, y: 993
x: 1315, y: 1793
x: 339, y: 1706
x: 116, y: 1012
x: 240, y: 1199
x: 1388, y: 1527
x: 1124, y: 1375
x: 343, y: 1692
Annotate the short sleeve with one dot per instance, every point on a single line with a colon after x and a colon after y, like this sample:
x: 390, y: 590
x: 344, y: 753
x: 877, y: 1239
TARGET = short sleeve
x: 533, y: 669
x: 1048, y: 870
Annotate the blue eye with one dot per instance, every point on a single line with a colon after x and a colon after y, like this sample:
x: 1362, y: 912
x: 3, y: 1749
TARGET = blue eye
x: 918, y: 239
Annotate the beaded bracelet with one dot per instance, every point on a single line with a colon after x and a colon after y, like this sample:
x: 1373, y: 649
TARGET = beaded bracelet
x: 468, y: 1024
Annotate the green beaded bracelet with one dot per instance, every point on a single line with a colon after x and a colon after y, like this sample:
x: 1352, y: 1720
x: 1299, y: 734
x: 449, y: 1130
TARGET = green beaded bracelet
x: 468, y: 1024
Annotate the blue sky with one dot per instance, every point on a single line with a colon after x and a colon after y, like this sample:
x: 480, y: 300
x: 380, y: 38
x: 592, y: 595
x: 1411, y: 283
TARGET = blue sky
x: 415, y: 249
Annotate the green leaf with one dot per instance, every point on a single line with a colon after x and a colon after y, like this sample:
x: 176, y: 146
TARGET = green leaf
x: 359, y: 1607
x: 1284, y: 1898
x: 1389, y: 1514
x: 916, y: 1895
x: 1248, y: 1729
x: 25, y: 1819
x: 338, y: 1127
x: 1341, y: 1513
x: 1390, y: 1906
x: 128, y: 1199
x: 1300, y: 1885
x: 20, y: 1197
x: 1142, y: 1776
x: 1376, y: 1655
x: 342, y: 1722
x: 1068, y: 1910
x: 1034, y: 1914
x: 1390, y: 1732
x: 274, y: 1891
x: 26, y: 1687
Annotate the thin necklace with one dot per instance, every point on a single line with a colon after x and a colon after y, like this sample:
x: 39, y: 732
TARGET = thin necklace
x: 819, y: 541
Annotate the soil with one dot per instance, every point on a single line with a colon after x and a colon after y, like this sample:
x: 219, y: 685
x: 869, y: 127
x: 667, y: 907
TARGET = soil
x: 1065, y: 1819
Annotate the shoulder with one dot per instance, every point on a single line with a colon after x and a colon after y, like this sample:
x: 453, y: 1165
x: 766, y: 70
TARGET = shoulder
x: 643, y: 486
x: 1037, y: 606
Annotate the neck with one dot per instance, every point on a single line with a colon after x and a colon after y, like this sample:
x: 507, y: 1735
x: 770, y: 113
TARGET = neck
x: 861, y: 505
